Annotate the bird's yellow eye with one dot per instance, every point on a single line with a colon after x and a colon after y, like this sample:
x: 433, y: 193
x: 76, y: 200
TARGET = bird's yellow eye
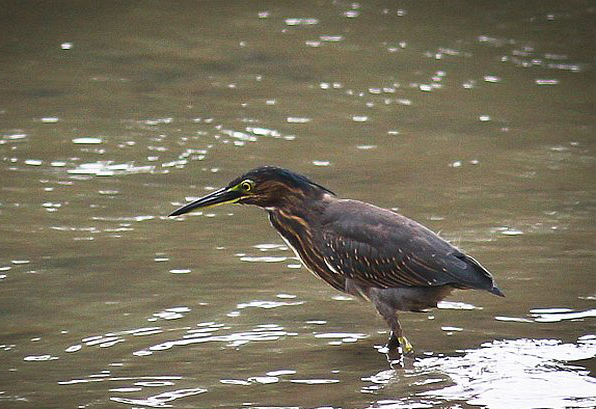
x: 247, y: 185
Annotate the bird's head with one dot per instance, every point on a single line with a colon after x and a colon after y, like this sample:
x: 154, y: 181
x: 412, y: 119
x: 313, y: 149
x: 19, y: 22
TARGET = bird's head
x: 267, y: 187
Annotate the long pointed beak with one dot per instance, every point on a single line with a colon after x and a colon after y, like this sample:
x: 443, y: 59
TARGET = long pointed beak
x: 219, y: 197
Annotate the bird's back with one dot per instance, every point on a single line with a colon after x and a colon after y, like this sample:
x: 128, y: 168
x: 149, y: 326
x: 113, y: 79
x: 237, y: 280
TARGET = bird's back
x: 379, y: 248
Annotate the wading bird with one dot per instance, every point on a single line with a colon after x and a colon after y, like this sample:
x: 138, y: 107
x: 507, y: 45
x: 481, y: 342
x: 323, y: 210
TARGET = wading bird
x: 357, y: 248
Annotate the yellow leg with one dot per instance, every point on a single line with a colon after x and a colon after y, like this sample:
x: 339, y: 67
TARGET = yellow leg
x: 405, y: 345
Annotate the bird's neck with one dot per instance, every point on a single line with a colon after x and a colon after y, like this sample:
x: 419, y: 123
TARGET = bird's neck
x: 300, y: 213
x: 298, y: 222
x: 300, y: 227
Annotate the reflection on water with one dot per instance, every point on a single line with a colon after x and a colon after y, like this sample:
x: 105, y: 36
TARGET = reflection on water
x: 560, y: 314
x: 552, y: 315
x: 504, y: 374
x: 109, y: 169
x: 512, y: 373
x: 521, y: 373
x: 161, y: 400
x: 518, y: 373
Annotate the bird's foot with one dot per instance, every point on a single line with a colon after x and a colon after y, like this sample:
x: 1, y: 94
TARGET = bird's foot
x: 395, y: 350
x: 405, y: 345
x: 399, y: 344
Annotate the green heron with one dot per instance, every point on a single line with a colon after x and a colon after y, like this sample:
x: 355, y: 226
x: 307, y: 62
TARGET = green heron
x: 357, y: 248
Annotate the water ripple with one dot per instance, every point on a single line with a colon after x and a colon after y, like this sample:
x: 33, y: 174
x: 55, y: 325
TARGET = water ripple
x: 560, y: 314
x: 263, y: 332
x: 108, y: 168
x: 160, y: 400
x: 267, y: 304
x: 551, y: 315
x: 338, y: 338
x: 506, y: 374
x: 453, y: 305
x: 263, y: 259
x: 518, y: 374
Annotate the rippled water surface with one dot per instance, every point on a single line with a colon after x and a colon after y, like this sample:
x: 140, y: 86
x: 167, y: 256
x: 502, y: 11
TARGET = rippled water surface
x: 476, y: 119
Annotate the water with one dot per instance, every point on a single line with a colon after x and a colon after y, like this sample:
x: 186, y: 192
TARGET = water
x: 476, y: 121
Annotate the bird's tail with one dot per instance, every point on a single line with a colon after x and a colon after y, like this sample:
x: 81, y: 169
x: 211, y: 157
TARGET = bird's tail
x: 486, y: 281
x: 495, y: 290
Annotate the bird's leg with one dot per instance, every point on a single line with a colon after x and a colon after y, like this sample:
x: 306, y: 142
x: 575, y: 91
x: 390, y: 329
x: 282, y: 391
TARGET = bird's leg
x: 397, y: 338
x: 397, y: 345
x: 392, y: 342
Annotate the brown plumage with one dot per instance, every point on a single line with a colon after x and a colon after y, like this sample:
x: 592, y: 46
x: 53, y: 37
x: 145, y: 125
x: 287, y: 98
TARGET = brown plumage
x: 357, y: 248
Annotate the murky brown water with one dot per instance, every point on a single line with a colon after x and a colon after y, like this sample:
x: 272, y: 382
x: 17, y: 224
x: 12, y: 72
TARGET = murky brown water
x: 476, y: 120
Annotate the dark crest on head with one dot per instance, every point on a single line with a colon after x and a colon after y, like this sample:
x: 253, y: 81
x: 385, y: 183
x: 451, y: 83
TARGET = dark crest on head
x: 274, y: 173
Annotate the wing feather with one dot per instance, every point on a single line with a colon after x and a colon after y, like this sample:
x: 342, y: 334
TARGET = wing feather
x: 379, y: 248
